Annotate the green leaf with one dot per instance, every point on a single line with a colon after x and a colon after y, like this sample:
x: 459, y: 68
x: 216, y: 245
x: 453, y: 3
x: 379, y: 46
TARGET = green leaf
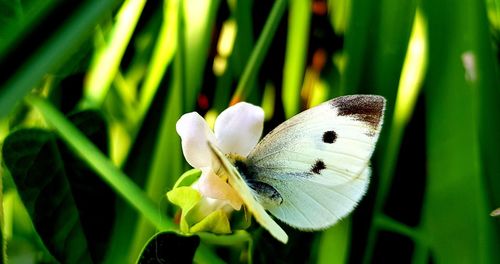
x: 169, y: 247
x: 489, y: 123
x: 71, y: 208
x: 34, y: 160
x: 456, y: 217
x: 95, y: 199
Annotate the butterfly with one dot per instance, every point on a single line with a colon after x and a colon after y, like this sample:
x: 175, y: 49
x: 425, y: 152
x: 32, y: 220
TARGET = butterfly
x: 311, y: 170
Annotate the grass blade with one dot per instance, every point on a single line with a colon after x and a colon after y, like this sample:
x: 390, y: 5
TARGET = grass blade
x: 108, y: 57
x: 53, y: 53
x: 260, y: 50
x: 296, y: 55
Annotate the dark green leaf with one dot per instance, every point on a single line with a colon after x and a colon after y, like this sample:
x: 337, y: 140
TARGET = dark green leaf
x: 33, y: 158
x: 95, y: 200
x: 71, y: 208
x: 169, y: 248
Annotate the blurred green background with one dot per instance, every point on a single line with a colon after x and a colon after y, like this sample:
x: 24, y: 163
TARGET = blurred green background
x: 142, y: 64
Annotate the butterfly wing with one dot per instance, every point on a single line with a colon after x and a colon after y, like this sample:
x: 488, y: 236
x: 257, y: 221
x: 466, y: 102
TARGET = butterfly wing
x: 317, y: 162
x: 238, y: 183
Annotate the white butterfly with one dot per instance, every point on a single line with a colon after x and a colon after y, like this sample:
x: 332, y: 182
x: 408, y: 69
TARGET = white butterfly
x: 313, y: 169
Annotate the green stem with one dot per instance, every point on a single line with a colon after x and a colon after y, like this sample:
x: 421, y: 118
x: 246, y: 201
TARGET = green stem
x: 386, y: 223
x: 260, y: 50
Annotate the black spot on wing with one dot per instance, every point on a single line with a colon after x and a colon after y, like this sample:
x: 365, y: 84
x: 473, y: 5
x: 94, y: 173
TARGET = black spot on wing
x: 366, y: 108
x: 318, y: 166
x: 329, y: 137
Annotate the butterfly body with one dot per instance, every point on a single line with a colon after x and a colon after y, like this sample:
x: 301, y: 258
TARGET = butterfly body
x: 313, y: 169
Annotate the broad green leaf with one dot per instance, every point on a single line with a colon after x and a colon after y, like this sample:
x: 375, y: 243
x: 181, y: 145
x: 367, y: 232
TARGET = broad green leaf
x: 169, y: 248
x: 34, y: 160
x: 71, y: 208
x: 489, y: 109
x: 95, y: 199
x: 456, y: 212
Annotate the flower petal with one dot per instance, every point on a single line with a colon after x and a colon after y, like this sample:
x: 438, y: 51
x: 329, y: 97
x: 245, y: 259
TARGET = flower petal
x: 211, y: 185
x: 195, y: 133
x: 239, y: 127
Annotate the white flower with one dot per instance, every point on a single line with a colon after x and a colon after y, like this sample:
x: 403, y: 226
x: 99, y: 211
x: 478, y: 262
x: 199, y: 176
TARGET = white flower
x: 236, y: 132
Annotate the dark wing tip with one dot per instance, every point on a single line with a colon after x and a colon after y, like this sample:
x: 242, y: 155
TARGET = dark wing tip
x: 366, y: 108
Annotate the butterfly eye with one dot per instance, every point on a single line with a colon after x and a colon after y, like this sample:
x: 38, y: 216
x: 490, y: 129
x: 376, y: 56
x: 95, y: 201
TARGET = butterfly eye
x: 318, y: 166
x: 329, y: 137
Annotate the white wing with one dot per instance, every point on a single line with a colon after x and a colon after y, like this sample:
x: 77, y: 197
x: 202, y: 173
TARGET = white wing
x: 317, y: 162
x: 246, y: 194
x: 314, y: 206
